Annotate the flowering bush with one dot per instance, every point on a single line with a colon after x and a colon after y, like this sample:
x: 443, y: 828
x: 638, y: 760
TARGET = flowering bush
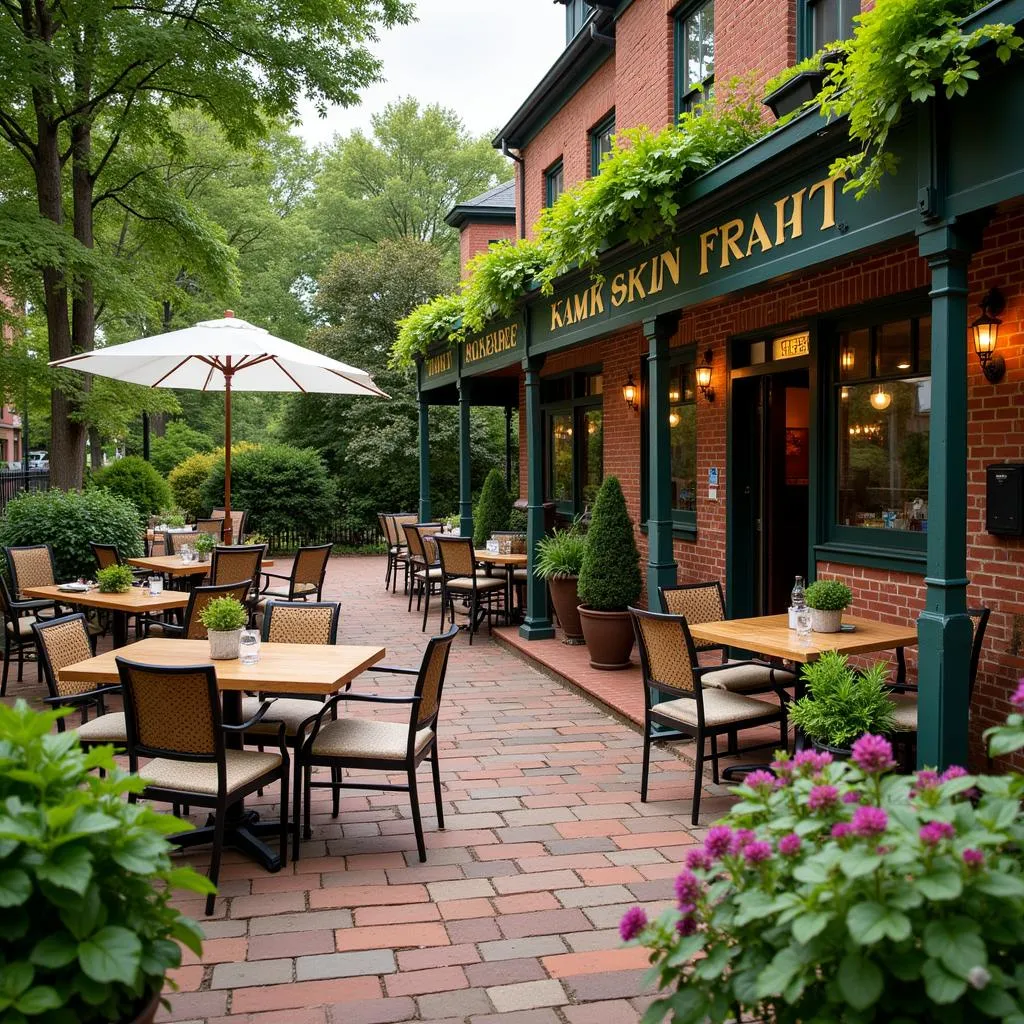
x: 840, y: 892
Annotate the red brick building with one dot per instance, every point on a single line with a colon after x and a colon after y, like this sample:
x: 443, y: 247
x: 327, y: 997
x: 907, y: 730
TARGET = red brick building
x: 10, y: 421
x: 842, y: 371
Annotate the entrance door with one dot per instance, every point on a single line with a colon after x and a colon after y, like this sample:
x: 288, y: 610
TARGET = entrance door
x: 771, y: 466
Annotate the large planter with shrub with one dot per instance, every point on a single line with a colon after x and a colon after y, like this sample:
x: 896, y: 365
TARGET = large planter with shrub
x: 492, y: 510
x: 559, y: 561
x: 609, y: 580
x: 827, y: 600
x: 224, y: 619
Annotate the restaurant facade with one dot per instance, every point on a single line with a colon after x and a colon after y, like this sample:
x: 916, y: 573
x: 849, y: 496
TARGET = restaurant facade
x: 788, y: 383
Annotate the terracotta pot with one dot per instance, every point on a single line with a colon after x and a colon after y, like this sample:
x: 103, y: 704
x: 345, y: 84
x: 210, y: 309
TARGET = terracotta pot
x: 224, y: 644
x: 823, y: 621
x: 147, y: 1013
x: 566, y: 601
x: 609, y: 637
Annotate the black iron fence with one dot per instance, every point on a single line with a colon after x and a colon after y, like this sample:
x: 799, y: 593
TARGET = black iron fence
x: 341, y: 534
x: 16, y: 481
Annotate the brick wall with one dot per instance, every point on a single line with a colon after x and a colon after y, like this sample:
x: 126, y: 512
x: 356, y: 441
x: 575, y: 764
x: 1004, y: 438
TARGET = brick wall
x: 645, y: 65
x: 475, y: 236
x: 756, y: 36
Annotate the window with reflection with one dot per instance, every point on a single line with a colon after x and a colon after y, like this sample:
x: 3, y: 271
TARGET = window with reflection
x: 883, y: 398
x: 682, y: 424
x: 574, y: 453
x: 831, y: 20
x: 695, y: 55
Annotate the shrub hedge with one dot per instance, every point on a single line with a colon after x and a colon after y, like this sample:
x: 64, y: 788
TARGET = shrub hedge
x: 492, y: 510
x: 610, y: 577
x: 135, y: 479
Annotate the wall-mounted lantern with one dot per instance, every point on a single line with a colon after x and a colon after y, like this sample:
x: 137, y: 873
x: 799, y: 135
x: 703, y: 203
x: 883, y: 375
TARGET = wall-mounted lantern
x: 985, y: 331
x: 631, y: 392
x: 703, y: 375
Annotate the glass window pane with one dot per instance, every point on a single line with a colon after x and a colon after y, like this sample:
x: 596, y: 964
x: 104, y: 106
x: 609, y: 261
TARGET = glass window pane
x: 561, y: 457
x: 883, y: 454
x: 924, y: 344
x: 855, y: 355
x: 591, y: 453
x: 893, y: 348
x: 593, y: 384
x: 682, y: 423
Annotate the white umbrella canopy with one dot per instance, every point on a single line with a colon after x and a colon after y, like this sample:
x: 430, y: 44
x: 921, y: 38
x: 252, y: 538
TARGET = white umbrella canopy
x: 224, y: 355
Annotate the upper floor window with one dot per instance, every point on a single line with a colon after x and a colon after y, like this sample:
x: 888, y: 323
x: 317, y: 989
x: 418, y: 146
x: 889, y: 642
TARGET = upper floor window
x: 695, y: 55
x: 601, y: 142
x: 830, y: 20
x: 576, y: 13
x: 554, y: 182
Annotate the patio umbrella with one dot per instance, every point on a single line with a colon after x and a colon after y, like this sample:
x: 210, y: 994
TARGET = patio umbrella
x: 224, y: 355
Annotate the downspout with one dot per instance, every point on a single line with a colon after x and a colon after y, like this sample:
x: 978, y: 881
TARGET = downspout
x: 521, y: 217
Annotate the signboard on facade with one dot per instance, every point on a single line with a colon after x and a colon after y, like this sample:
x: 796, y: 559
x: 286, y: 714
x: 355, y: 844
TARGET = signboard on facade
x: 791, y: 346
x: 500, y: 345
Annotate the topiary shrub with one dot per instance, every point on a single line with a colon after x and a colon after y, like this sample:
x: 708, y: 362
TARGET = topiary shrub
x: 135, y: 479
x: 178, y: 443
x: 280, y: 487
x: 493, y: 509
x: 186, y: 481
x: 68, y: 521
x: 610, y: 577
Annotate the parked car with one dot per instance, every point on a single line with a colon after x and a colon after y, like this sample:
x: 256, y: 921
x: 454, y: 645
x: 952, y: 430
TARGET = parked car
x: 38, y: 460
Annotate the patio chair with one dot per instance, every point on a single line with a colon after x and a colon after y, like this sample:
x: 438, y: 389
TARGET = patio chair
x: 237, y: 523
x: 387, y: 544
x: 462, y: 577
x: 305, y: 581
x: 234, y: 563
x: 423, y: 564
x: 107, y: 555
x: 365, y: 743
x: 703, y: 602
x: 214, y: 525
x: 173, y: 715
x: 63, y: 642
x: 18, y: 619
x: 668, y: 661
x: 192, y: 627
x: 30, y: 565
x: 174, y: 542
x: 398, y: 552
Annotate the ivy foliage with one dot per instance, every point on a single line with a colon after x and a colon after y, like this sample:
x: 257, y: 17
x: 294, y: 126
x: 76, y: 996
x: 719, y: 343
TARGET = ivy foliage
x: 497, y: 279
x: 440, y: 319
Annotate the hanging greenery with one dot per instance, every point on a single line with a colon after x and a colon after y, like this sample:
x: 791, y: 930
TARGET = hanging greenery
x: 497, y: 279
x: 438, y: 320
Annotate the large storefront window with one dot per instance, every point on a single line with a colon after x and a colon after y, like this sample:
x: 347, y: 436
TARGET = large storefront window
x: 574, y: 425
x: 883, y: 403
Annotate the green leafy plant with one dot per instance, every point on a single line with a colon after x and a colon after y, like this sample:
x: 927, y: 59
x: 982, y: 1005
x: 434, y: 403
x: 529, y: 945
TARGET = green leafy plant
x: 812, y: 63
x: 517, y: 520
x: 256, y: 538
x: 610, y: 574
x: 178, y: 443
x: 186, y: 481
x: 839, y: 892
x: 435, y: 322
x: 497, y: 279
x: 828, y: 595
x: 560, y: 554
x: 175, y: 520
x: 1009, y: 737
x: 224, y: 615
x: 492, y: 510
x: 135, y: 479
x: 903, y: 51
x: 841, y: 704
x: 115, y: 579
x: 88, y: 929
x: 68, y: 521
x: 204, y: 543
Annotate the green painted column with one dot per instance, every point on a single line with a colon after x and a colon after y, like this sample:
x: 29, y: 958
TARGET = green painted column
x: 944, y: 628
x: 661, y: 564
x: 537, y: 624
x: 425, y: 510
x: 465, y: 463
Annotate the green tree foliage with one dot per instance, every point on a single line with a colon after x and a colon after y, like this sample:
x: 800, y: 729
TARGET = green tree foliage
x: 492, y: 510
x: 135, y: 479
x: 610, y: 576
x: 186, y: 481
x: 178, y: 443
x: 281, y: 488
x: 68, y: 521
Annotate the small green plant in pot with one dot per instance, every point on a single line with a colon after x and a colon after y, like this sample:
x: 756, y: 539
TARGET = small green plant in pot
x: 175, y: 521
x: 827, y: 600
x: 609, y: 579
x: 841, y: 704
x: 115, y: 579
x: 559, y: 561
x: 88, y: 929
x: 224, y: 619
x: 204, y: 545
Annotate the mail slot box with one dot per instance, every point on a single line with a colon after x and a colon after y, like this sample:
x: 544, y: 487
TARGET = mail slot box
x: 1004, y: 499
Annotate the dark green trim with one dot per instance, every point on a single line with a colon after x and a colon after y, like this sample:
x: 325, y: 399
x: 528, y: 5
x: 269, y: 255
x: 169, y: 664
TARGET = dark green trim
x: 570, y: 407
x: 425, y: 509
x: 555, y: 170
x: 604, y: 127
x: 461, y: 215
x: 861, y: 555
x: 465, y: 462
x: 678, y: 65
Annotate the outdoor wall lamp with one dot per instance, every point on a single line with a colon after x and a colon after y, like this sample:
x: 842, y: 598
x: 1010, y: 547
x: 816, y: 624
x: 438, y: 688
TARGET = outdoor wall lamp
x: 703, y: 374
x: 631, y: 392
x: 986, y: 336
x: 846, y: 358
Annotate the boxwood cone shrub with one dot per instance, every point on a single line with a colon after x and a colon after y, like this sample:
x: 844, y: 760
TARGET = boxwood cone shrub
x: 186, y: 481
x: 841, y: 892
x: 280, y: 487
x: 610, y: 575
x: 87, y: 929
x: 492, y: 510
x: 68, y: 521
x: 135, y: 479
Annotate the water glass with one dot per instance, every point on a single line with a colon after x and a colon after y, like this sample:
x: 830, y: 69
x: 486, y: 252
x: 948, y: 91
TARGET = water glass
x: 156, y: 586
x: 803, y: 624
x: 249, y: 647
x: 187, y: 554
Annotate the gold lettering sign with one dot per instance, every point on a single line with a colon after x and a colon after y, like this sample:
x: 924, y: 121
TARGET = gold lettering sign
x: 441, y: 363
x: 504, y: 339
x: 791, y: 346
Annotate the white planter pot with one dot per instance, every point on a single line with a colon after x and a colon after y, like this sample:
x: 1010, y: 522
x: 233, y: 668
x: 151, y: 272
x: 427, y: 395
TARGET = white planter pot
x: 826, y: 621
x: 224, y: 644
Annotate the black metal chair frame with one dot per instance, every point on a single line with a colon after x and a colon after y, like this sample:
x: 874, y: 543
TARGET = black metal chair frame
x: 398, y: 553
x: 419, y: 579
x: 447, y: 598
x: 13, y: 571
x: 14, y: 641
x: 171, y: 629
x: 218, y: 520
x: 231, y: 549
x: 292, y: 595
x: 672, y: 728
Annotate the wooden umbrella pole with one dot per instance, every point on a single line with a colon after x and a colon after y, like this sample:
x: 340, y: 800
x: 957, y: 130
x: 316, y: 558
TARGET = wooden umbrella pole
x: 228, y: 525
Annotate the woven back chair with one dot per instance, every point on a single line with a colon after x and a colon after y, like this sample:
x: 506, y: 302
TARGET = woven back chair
x: 455, y: 555
x: 173, y: 715
x: 399, y: 553
x: 301, y: 623
x: 696, y: 602
x: 174, y: 542
x: 30, y: 565
x: 237, y: 523
x: 17, y: 618
x: 389, y: 747
x: 214, y: 525
x: 459, y: 577
x: 306, y: 579
x: 424, y: 567
x: 192, y: 628
x: 668, y: 661
x: 106, y: 555
x: 234, y: 563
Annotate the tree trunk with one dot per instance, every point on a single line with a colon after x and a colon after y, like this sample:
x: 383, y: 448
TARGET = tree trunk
x: 158, y: 424
x: 95, y: 450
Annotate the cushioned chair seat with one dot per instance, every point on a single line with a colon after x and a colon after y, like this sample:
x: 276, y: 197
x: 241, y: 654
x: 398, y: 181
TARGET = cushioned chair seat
x: 482, y: 583
x: 720, y: 708
x: 104, y: 729
x: 433, y: 573
x: 243, y: 768
x: 366, y: 738
x: 301, y: 589
x: 906, y: 712
x: 24, y: 626
x: 745, y: 678
x: 290, y: 710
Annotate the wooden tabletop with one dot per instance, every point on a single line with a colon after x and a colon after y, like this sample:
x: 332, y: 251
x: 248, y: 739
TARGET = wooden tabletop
x: 770, y: 634
x: 283, y: 668
x: 159, y: 534
x: 516, y: 561
x: 135, y: 600
x: 174, y: 566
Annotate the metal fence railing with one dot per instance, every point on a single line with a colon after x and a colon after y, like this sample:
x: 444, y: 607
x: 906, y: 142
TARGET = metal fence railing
x: 16, y: 481
x: 328, y: 533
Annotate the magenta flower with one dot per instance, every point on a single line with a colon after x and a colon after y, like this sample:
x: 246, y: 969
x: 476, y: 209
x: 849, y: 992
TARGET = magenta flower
x: 686, y: 925
x: 973, y: 858
x: 1017, y: 700
x: 757, y: 852
x: 870, y: 821
x: 813, y: 760
x: 687, y: 888
x: 741, y: 838
x: 851, y: 796
x: 783, y: 768
x: 841, y: 829
x: 789, y: 845
x: 935, y: 831
x: 633, y: 922
x: 822, y: 797
x: 760, y: 780
x: 873, y: 754
x: 926, y: 779
x: 718, y: 840
x: 698, y: 860
x: 954, y: 771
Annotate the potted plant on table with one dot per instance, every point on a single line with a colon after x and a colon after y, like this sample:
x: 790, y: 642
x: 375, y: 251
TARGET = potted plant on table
x: 224, y: 619
x: 86, y: 880
x: 559, y: 561
x: 609, y: 579
x: 827, y: 600
x: 115, y: 579
x: 841, y: 704
x: 204, y: 545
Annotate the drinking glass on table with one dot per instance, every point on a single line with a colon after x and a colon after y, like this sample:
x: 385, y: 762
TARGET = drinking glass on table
x: 156, y: 586
x: 249, y: 647
x: 803, y: 624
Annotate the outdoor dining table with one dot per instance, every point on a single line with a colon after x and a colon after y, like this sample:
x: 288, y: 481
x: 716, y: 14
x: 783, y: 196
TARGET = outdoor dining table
x: 172, y: 565
x: 136, y: 601
x: 510, y: 562
x: 320, y: 669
